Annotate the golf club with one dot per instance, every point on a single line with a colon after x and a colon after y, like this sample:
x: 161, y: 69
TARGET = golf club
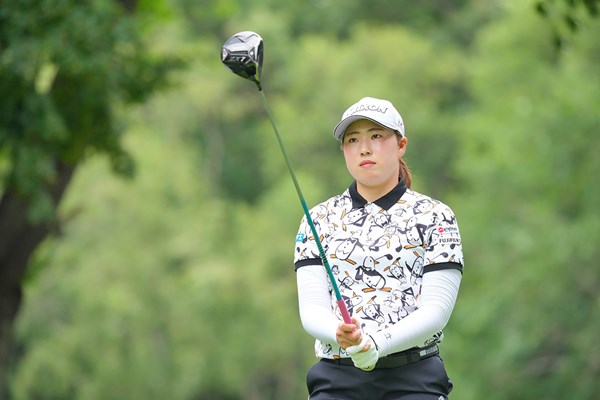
x: 243, y: 55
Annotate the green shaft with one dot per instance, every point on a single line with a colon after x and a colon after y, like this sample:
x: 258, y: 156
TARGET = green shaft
x: 338, y: 296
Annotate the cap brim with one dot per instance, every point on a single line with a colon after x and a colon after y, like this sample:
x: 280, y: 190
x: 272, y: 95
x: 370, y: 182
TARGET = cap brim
x: 340, y: 128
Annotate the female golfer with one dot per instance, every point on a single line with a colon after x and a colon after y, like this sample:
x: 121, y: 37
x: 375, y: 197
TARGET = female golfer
x: 397, y: 258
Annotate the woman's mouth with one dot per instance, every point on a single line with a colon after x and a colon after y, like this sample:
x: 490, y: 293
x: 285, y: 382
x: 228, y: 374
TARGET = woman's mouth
x: 366, y: 163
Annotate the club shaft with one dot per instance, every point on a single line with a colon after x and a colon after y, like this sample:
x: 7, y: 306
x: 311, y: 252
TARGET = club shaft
x: 338, y: 296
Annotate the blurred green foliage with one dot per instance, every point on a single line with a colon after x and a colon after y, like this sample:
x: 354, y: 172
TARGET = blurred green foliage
x: 179, y: 284
x: 65, y: 69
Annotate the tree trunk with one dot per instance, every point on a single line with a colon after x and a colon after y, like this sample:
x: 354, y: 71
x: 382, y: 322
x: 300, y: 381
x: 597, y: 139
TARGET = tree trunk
x: 18, y: 240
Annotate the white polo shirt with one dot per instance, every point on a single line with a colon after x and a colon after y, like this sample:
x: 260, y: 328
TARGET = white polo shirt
x: 379, y: 251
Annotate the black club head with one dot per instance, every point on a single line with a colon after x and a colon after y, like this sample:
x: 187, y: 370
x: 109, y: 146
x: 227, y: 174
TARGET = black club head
x: 243, y: 55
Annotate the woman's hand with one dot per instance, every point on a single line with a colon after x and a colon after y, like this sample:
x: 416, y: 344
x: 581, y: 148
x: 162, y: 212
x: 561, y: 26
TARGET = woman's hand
x: 361, y: 348
x: 348, y: 335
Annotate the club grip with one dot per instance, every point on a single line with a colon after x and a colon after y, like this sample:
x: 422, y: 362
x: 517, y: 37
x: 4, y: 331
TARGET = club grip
x: 342, y: 306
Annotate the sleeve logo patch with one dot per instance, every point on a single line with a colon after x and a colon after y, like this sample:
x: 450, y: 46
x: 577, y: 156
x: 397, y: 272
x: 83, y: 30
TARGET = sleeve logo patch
x: 300, y: 237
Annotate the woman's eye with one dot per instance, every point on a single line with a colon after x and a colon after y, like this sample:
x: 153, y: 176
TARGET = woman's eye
x: 377, y: 135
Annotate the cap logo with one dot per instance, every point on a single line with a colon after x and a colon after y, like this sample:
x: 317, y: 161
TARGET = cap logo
x: 368, y: 107
x: 376, y: 110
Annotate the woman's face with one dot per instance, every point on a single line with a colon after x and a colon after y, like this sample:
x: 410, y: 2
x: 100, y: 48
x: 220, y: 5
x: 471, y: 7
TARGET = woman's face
x: 372, y: 155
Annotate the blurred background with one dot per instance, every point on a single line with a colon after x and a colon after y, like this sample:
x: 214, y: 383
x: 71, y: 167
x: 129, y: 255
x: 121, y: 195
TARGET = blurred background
x: 147, y: 219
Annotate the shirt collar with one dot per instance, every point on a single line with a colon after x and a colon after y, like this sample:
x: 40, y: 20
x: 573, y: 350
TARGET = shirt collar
x: 386, y: 202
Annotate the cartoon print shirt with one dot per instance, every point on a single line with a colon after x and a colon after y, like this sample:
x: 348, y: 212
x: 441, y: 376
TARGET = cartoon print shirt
x: 378, y: 253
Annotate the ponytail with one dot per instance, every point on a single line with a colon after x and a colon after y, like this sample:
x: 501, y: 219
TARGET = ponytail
x: 405, y: 174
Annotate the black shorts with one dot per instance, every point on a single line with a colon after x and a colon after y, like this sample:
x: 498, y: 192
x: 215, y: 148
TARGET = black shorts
x: 422, y: 380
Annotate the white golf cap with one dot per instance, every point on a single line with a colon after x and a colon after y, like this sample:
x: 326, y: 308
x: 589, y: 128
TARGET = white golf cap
x: 376, y: 110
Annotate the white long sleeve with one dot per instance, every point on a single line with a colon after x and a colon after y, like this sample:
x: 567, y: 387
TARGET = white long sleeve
x: 438, y: 296
x: 314, y: 302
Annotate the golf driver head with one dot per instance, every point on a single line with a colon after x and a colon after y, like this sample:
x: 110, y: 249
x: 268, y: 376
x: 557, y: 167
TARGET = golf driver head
x: 243, y: 54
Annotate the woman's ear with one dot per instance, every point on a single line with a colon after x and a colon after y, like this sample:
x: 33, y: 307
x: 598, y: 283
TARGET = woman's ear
x: 402, y: 143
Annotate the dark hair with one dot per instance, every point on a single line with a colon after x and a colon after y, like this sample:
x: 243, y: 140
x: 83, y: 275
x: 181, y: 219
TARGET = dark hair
x: 405, y: 174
